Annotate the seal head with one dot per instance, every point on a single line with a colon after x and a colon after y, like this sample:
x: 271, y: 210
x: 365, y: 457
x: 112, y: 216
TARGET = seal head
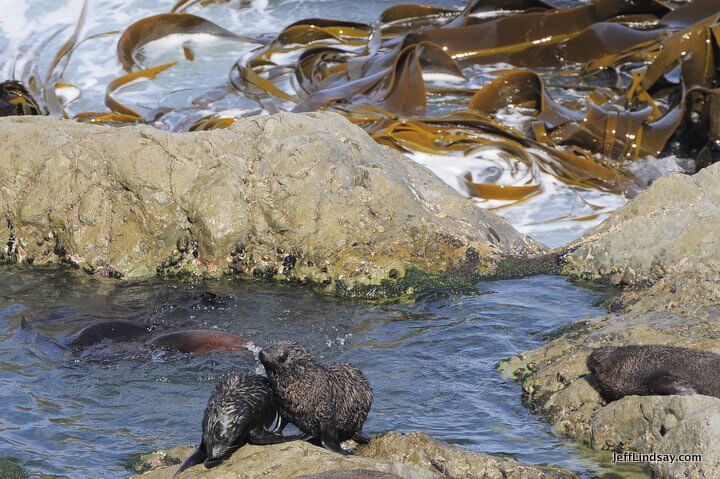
x: 242, y: 410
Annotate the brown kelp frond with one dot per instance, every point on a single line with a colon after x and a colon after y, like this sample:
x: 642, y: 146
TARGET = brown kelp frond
x: 664, y: 64
x: 55, y: 71
x: 153, y: 28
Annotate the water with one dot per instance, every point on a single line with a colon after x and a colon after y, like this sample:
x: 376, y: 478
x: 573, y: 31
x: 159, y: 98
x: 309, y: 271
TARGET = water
x: 431, y: 363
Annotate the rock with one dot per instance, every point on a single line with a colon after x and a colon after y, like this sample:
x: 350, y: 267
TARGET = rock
x: 664, y: 425
x: 155, y: 460
x: 410, y: 456
x: 664, y: 243
x: 421, y: 450
x: 352, y: 474
x: 662, y: 250
x: 292, y: 197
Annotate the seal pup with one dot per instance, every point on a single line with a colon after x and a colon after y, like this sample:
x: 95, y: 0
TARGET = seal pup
x: 328, y: 403
x: 647, y: 370
x: 241, y: 410
x: 200, y: 341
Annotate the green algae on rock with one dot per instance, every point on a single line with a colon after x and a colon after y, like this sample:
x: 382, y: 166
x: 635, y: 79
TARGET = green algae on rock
x: 10, y: 468
x: 307, y: 198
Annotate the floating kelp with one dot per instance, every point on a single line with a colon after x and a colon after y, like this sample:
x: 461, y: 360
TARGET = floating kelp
x: 599, y: 85
x: 16, y: 100
x: 383, y: 88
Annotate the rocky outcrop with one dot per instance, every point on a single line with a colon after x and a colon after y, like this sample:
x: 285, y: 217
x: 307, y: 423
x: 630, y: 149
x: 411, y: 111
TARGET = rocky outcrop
x: 662, y: 247
x: 410, y: 456
x: 662, y: 250
x: 307, y: 198
x: 423, y: 451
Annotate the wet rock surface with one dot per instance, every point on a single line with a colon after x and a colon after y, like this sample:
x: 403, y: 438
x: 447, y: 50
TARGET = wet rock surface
x: 662, y: 251
x: 662, y: 247
x: 407, y: 456
x: 307, y: 198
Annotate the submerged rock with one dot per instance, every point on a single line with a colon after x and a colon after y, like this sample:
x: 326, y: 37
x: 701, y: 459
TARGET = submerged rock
x: 662, y: 250
x: 409, y: 456
x: 298, y: 197
x: 10, y: 468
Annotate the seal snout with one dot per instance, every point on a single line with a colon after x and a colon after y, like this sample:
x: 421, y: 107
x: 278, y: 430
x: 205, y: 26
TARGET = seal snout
x: 274, y: 356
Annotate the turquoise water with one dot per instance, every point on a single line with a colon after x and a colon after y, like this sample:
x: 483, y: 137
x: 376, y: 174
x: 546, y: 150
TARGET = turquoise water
x: 431, y: 363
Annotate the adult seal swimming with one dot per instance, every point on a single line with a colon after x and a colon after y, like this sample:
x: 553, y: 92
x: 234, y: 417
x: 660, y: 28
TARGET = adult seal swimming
x: 200, y: 341
x: 646, y: 370
x: 329, y: 403
x: 242, y: 410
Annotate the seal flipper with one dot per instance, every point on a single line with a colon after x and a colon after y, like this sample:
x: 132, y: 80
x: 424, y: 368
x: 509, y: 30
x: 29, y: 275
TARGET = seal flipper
x: 667, y: 384
x: 329, y: 441
x: 263, y: 437
x: 197, y: 457
x: 361, y: 438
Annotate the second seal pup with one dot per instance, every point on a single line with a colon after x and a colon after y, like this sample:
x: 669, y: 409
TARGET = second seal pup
x: 242, y: 410
x: 646, y: 370
x: 329, y: 403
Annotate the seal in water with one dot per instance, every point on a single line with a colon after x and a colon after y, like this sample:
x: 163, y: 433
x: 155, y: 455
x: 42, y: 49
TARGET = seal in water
x: 200, y: 341
x: 243, y: 409
x: 646, y: 370
x: 329, y: 403
x: 112, y: 330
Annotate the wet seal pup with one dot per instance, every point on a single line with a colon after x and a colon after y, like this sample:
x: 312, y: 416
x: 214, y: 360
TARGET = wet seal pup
x: 647, y: 370
x: 328, y: 403
x: 241, y: 410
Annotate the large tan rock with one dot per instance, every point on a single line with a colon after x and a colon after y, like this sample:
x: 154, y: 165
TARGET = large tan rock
x: 556, y: 383
x: 664, y: 425
x: 423, y: 451
x: 304, y: 197
x: 408, y: 456
x: 663, y: 246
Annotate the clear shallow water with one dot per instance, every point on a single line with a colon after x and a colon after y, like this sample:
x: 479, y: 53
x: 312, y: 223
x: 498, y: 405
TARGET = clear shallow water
x: 431, y: 364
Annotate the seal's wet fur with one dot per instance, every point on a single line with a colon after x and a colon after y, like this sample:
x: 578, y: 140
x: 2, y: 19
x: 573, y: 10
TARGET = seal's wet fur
x: 646, y: 370
x: 328, y: 403
x: 241, y: 410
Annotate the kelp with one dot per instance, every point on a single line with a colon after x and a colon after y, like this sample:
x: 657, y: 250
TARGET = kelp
x: 663, y: 72
x: 16, y: 100
x: 153, y: 28
x: 601, y: 85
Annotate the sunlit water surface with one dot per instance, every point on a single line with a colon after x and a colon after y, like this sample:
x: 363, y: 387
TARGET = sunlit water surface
x: 432, y: 364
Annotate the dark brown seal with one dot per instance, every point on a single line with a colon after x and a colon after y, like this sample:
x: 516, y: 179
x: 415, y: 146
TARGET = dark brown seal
x: 647, y: 370
x: 200, y: 341
x: 329, y: 403
x: 111, y: 330
x: 242, y: 410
